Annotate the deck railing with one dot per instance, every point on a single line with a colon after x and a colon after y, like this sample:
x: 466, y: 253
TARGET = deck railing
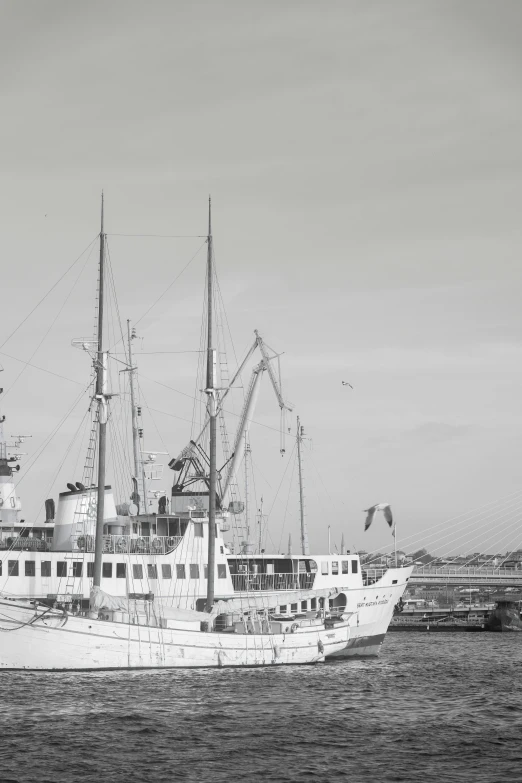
x: 372, y: 575
x: 121, y: 545
x: 25, y: 542
x: 247, y: 582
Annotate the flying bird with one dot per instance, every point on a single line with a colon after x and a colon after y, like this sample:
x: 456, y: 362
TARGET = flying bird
x: 370, y: 513
x: 345, y: 383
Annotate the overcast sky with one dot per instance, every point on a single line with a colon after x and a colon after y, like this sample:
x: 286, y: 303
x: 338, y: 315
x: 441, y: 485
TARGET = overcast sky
x: 364, y: 160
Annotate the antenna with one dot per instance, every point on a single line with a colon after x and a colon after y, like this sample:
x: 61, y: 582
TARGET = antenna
x: 18, y: 440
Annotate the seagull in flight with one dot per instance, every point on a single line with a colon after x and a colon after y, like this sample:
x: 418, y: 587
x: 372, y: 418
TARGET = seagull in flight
x: 370, y: 513
x: 345, y: 383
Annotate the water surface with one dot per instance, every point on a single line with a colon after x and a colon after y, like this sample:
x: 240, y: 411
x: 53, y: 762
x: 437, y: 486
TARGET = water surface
x: 432, y: 708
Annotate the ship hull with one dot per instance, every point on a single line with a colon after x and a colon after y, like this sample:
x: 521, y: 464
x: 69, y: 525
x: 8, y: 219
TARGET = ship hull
x: 56, y: 641
x: 373, y: 607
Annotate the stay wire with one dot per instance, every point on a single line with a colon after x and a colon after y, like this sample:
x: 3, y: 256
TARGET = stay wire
x: 44, y: 297
x: 290, y: 487
x: 27, y: 363
x: 467, y: 516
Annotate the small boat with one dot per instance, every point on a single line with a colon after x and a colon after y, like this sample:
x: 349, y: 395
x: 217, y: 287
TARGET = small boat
x: 505, y: 617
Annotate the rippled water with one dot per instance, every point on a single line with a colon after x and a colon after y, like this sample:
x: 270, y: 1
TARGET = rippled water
x: 431, y: 708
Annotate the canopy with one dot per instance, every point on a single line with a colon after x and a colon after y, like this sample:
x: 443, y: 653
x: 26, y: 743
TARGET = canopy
x: 101, y: 600
x: 237, y: 605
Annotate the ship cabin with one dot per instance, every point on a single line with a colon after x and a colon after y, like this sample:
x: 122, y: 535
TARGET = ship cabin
x: 287, y: 572
x: 166, y: 555
x: 15, y: 533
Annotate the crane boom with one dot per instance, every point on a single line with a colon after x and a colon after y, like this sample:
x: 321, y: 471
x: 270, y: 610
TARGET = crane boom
x: 275, y: 383
x: 244, y: 421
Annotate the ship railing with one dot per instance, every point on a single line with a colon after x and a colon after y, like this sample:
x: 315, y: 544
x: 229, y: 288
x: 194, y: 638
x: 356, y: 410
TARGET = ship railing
x: 261, y: 582
x: 372, y: 575
x: 462, y: 571
x: 26, y: 543
x: 121, y: 545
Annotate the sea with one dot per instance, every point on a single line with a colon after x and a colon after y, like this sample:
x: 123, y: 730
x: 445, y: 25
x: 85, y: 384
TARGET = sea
x: 432, y: 708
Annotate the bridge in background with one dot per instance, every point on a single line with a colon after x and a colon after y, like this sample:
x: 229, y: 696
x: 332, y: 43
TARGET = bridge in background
x: 459, y: 576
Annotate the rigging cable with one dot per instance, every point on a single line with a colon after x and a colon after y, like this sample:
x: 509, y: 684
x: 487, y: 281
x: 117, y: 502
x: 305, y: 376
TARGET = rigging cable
x: 26, y: 364
x: 48, y: 292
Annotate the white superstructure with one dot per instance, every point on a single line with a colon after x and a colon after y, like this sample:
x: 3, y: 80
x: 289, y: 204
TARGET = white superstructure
x: 116, y: 588
x: 166, y: 556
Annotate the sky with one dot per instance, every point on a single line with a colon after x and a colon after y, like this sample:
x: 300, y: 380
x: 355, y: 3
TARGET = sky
x: 364, y: 162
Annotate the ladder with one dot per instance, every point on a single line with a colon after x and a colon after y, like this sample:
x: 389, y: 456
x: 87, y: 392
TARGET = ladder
x: 84, y: 509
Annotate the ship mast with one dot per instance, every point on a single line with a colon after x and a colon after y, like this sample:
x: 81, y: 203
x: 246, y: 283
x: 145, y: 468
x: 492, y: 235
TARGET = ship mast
x: 247, y: 518
x: 210, y: 391
x: 101, y: 397
x: 304, y: 532
x: 138, y: 470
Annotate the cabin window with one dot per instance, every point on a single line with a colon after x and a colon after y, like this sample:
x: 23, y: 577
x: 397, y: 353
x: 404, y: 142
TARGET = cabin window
x: 194, y: 571
x: 121, y: 570
x: 107, y: 570
x: 345, y: 566
x: 282, y: 609
x: 205, y: 572
x: 1, y: 567
x: 222, y: 571
x: 216, y: 530
x: 335, y: 567
x: 180, y: 571
x: 61, y: 568
x: 12, y: 567
x: 354, y: 566
x: 90, y: 569
x: 77, y: 569
x: 324, y: 567
x: 46, y: 568
x: 152, y: 571
x: 137, y: 571
x: 293, y: 607
x: 177, y: 527
x: 166, y: 571
x: 304, y: 606
x: 198, y: 529
x: 221, y: 550
x: 313, y: 603
x: 30, y: 568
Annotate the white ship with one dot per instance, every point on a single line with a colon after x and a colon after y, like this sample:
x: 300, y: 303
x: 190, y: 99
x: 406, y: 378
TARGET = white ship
x: 127, y: 586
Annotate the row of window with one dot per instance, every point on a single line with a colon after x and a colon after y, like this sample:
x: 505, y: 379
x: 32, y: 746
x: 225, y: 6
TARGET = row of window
x: 304, y: 606
x: 121, y: 570
x: 345, y: 564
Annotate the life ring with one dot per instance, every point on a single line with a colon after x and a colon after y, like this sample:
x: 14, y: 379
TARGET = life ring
x: 157, y: 545
x: 171, y: 541
x: 294, y: 627
x: 80, y: 542
x: 121, y: 545
x: 141, y: 544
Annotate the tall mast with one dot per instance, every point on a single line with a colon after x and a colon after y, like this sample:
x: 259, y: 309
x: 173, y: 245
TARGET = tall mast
x: 247, y: 510
x: 304, y: 532
x: 211, y: 394
x: 101, y: 384
x: 135, y: 429
x: 260, y: 530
